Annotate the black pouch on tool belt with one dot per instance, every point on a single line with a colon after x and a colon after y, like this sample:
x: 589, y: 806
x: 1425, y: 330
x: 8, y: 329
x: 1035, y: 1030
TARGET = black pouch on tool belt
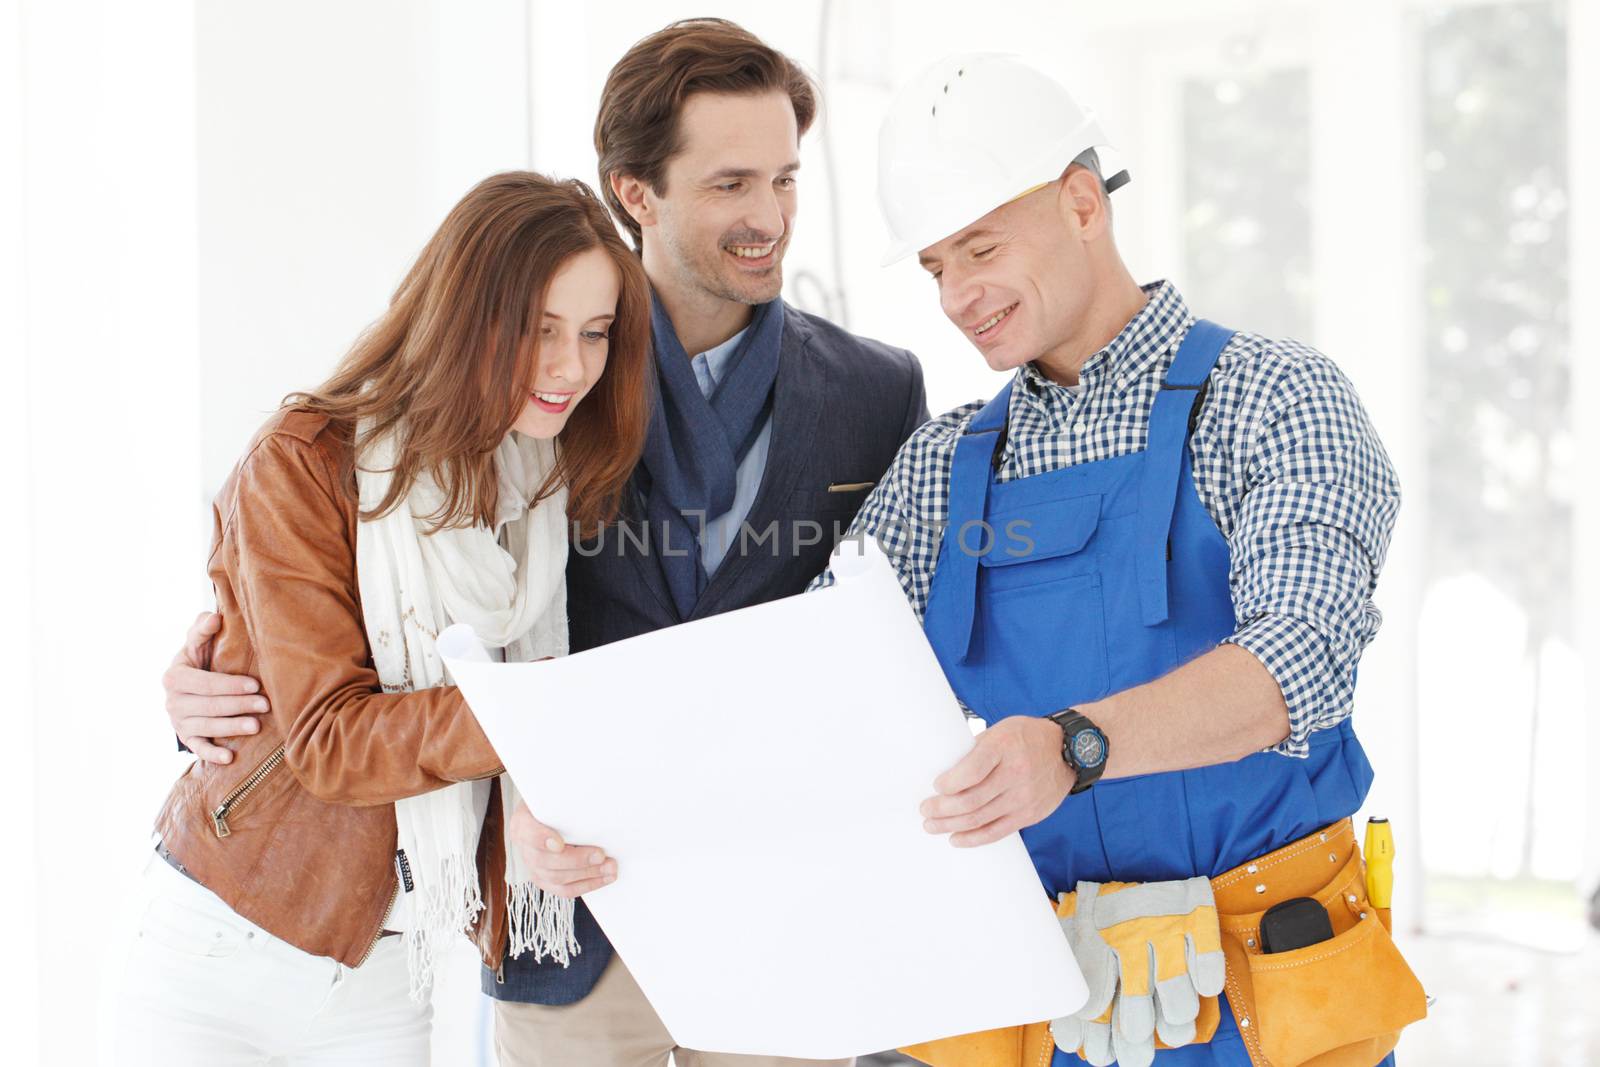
x: 1295, y: 924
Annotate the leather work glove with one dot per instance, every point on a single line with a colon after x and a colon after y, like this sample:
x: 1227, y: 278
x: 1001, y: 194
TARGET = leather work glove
x: 1148, y: 951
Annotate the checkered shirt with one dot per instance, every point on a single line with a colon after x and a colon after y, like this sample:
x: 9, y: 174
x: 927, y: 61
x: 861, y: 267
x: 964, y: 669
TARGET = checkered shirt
x: 1285, y: 461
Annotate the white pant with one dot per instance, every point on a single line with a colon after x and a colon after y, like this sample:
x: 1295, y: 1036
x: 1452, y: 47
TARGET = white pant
x: 206, y: 987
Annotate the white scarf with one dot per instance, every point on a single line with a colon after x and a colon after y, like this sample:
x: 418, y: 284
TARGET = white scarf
x: 509, y: 585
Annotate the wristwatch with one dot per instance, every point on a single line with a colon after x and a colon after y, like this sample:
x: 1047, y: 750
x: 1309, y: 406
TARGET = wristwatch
x: 1083, y: 746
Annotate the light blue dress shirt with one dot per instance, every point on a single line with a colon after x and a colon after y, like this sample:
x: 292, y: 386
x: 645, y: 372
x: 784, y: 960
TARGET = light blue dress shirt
x: 722, y: 532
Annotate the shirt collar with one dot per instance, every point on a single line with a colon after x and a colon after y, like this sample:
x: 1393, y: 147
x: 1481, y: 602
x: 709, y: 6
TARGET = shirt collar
x: 717, y: 360
x: 1140, y: 346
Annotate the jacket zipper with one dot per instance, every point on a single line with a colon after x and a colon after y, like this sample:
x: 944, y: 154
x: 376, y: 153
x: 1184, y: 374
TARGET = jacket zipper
x: 219, y: 817
x: 377, y: 935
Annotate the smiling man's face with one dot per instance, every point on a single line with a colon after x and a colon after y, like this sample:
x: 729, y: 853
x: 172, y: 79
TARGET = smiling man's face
x: 725, y: 215
x: 1015, y: 283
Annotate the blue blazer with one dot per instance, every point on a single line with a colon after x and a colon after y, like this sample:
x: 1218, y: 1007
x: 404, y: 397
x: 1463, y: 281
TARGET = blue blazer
x: 842, y: 407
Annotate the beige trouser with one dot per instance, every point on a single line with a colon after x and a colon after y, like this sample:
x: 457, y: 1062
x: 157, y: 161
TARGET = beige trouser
x: 614, y: 1026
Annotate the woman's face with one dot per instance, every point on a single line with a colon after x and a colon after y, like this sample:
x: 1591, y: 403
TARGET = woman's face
x: 571, y: 342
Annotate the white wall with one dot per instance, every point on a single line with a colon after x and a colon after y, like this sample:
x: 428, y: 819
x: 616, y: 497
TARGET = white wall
x: 333, y: 140
x: 19, y: 992
x: 108, y: 383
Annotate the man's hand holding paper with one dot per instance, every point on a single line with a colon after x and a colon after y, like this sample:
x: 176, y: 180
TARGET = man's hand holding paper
x: 1010, y: 780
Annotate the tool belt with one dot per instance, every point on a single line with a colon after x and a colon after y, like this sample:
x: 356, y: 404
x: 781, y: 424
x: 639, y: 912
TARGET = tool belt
x: 1337, y: 1003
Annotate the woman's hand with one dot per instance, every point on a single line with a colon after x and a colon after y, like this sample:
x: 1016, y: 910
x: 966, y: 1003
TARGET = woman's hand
x: 555, y: 866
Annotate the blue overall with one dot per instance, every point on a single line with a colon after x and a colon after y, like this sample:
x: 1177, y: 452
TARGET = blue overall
x: 1062, y: 588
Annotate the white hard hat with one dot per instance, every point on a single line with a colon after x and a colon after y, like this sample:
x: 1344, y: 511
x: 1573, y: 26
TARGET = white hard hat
x: 968, y: 134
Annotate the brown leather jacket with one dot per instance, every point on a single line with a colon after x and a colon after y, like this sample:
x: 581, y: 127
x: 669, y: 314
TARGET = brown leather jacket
x: 297, y: 834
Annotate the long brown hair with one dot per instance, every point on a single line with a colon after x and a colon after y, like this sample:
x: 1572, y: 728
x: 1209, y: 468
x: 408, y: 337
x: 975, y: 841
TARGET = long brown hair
x: 636, y: 130
x: 441, y: 366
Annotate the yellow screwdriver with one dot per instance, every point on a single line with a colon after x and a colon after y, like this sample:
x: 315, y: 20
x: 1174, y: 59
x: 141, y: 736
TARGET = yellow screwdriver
x: 1378, y: 850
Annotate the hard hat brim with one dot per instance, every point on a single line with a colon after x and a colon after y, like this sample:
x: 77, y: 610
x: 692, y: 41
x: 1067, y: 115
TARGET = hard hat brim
x: 1049, y: 165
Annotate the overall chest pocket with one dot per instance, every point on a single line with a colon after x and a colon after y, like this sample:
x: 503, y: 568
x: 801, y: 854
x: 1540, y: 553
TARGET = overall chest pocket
x: 1043, y: 609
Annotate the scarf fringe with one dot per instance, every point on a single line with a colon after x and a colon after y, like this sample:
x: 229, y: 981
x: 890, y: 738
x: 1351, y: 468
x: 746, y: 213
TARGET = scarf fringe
x: 443, y: 909
x: 541, y: 923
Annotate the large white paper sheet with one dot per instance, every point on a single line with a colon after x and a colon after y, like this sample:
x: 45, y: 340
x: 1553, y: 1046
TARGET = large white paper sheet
x: 756, y: 775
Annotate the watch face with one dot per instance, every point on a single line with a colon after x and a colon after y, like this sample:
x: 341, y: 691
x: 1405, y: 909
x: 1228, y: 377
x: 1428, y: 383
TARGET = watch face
x: 1089, y: 747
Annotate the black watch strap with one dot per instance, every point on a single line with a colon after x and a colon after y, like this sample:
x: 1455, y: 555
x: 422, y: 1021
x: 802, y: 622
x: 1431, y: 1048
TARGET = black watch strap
x: 1083, y: 746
